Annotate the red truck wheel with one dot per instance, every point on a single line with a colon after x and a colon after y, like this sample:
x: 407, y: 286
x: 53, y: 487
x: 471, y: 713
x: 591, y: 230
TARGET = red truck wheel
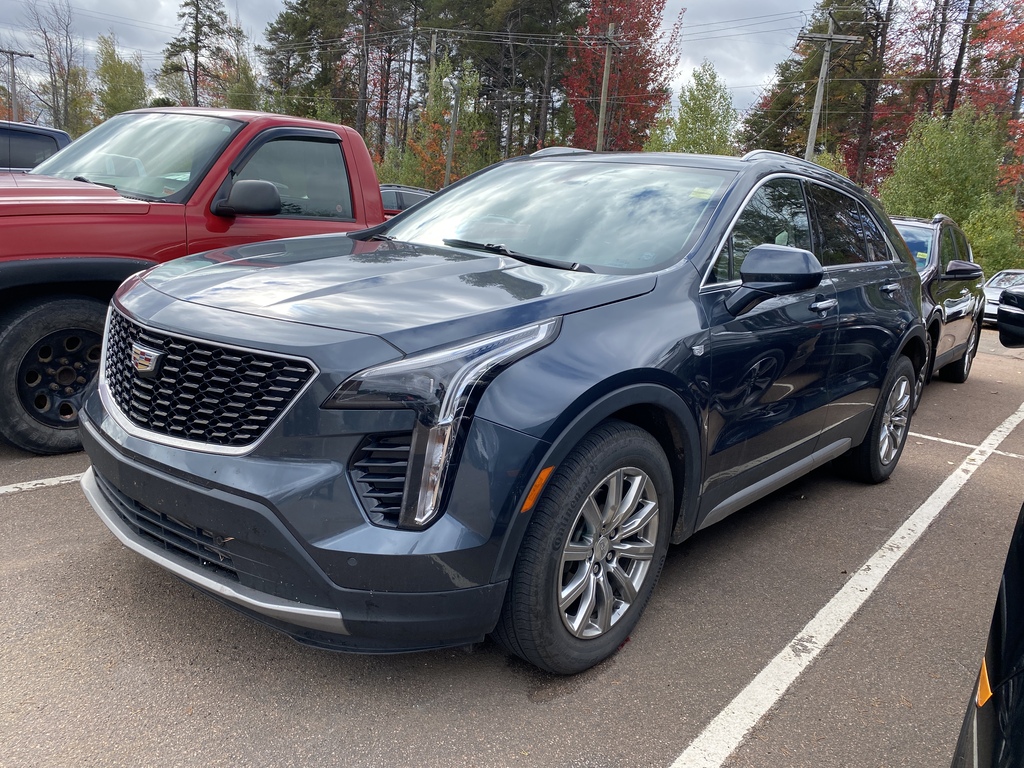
x: 49, y: 354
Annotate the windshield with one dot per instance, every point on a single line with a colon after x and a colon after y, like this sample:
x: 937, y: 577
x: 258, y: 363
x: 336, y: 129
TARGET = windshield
x: 611, y: 217
x: 153, y: 155
x: 919, y: 240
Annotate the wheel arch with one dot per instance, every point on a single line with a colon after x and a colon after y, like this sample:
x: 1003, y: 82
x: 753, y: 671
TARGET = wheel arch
x: 654, y: 408
x: 26, y: 280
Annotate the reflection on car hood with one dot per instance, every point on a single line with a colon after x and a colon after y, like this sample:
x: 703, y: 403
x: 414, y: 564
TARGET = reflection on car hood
x: 414, y: 296
x: 26, y: 194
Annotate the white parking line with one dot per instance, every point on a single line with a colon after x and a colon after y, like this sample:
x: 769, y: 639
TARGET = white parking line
x: 961, y: 445
x: 35, y: 484
x: 726, y: 732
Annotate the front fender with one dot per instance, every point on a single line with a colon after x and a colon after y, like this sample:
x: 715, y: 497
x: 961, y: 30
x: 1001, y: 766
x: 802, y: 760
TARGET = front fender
x: 649, y: 405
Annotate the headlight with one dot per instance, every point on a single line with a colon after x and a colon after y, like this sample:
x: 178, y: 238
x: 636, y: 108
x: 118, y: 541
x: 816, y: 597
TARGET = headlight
x: 439, y: 386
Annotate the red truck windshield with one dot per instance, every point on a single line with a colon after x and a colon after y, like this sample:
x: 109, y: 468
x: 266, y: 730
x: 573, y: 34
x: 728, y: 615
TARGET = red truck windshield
x: 153, y: 155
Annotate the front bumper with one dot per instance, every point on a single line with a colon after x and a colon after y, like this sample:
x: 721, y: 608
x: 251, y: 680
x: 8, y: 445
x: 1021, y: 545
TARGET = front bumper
x: 240, y: 550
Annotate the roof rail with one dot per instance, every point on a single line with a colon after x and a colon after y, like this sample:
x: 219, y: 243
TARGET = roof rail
x: 549, y: 151
x: 767, y: 154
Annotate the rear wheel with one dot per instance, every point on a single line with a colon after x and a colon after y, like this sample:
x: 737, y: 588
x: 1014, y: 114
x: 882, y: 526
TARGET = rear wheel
x: 592, y: 554
x: 49, y: 354
x: 875, y: 459
x: 959, y: 371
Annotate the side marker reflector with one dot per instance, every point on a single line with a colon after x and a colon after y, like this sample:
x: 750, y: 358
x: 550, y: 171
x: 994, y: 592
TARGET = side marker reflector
x: 538, y: 486
x: 984, y: 688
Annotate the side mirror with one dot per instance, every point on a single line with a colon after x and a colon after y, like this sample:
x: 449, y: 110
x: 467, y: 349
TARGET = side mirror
x: 773, y: 270
x: 1011, y: 317
x: 254, y: 197
x: 963, y: 270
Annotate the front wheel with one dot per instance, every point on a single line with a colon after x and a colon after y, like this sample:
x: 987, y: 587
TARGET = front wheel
x: 49, y: 354
x: 592, y: 554
x: 875, y: 459
x: 959, y: 371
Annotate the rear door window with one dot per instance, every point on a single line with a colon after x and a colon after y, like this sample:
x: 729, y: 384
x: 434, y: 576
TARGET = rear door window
x: 840, y: 227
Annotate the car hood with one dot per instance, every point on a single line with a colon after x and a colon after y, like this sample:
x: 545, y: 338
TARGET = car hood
x: 414, y: 296
x: 25, y: 194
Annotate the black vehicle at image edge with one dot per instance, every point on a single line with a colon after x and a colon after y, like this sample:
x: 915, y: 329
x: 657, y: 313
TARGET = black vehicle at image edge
x: 494, y: 412
x: 992, y: 735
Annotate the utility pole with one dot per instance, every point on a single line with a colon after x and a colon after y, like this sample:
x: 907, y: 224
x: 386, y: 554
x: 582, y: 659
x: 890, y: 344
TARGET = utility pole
x: 812, y: 133
x: 12, y: 89
x: 609, y: 43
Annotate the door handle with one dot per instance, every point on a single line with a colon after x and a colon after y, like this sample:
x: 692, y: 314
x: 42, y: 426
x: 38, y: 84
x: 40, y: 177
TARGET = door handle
x: 824, y: 305
x: 890, y: 288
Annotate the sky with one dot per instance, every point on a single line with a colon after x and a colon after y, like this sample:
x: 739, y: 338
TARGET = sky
x: 744, y: 40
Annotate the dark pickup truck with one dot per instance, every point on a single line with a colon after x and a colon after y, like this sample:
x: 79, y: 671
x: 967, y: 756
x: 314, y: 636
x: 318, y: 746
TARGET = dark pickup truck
x: 145, y: 187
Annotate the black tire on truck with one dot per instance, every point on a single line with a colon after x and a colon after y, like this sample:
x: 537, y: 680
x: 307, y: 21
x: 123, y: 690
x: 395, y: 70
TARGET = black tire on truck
x: 49, y: 354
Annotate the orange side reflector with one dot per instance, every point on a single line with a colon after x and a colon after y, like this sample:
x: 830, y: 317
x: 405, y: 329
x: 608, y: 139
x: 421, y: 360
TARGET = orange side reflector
x: 984, y: 688
x: 538, y: 486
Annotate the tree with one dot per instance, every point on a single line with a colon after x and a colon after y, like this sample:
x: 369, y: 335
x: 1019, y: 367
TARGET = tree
x: 121, y: 81
x: 952, y: 166
x: 201, y: 48
x: 704, y: 122
x: 64, y: 88
x: 423, y: 165
x: 304, y: 59
x: 644, y: 61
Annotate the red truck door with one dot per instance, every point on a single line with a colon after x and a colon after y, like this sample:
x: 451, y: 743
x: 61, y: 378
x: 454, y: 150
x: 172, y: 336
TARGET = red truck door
x: 320, y: 191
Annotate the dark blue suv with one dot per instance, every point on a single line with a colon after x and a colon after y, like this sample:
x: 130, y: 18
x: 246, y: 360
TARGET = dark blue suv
x: 493, y: 413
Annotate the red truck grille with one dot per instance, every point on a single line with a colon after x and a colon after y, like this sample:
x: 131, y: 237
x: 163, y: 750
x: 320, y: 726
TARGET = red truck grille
x: 197, y: 391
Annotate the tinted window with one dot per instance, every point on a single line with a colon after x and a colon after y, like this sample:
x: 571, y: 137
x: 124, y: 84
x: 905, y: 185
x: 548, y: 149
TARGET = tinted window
x: 962, y: 246
x: 20, y: 149
x: 310, y: 175
x: 775, y: 214
x: 390, y: 198
x: 840, y: 228
x: 877, y: 247
x: 947, y: 249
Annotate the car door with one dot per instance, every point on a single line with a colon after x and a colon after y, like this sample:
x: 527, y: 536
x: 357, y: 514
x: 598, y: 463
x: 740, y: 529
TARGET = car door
x: 875, y: 295
x: 955, y: 297
x: 768, y: 366
x: 308, y: 168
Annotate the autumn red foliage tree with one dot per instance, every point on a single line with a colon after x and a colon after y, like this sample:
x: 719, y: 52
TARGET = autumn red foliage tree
x: 644, y: 58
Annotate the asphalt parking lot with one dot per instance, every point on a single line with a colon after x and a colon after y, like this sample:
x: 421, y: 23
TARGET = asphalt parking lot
x: 106, y: 660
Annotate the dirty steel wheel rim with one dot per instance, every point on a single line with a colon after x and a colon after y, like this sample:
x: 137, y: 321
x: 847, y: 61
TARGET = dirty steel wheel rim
x: 895, y: 418
x: 608, y: 554
x: 53, y: 375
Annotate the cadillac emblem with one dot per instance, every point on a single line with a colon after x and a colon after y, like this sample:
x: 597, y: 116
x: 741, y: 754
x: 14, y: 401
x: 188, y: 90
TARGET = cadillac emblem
x: 146, y: 361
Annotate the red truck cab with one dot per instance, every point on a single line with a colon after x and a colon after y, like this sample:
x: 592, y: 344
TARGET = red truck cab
x: 142, y: 188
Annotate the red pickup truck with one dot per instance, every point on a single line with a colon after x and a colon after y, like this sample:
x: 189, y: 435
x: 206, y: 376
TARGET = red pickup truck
x: 142, y: 188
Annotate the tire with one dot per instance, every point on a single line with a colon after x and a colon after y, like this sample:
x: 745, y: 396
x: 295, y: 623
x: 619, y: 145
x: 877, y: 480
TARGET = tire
x: 875, y: 459
x: 580, y: 582
x: 959, y: 371
x: 49, y: 354
x: 925, y: 374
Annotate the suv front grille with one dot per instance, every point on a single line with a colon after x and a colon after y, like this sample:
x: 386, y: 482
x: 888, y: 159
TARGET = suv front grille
x: 199, y: 391
x: 379, y: 470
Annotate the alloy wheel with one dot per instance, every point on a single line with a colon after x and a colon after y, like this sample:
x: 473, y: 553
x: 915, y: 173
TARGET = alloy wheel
x: 608, y: 553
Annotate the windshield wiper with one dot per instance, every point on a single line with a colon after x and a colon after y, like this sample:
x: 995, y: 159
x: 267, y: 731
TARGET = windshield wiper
x: 504, y: 250
x: 97, y: 183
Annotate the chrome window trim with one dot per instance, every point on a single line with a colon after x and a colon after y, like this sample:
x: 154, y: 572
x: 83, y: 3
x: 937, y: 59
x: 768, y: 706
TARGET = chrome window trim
x: 133, y: 429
